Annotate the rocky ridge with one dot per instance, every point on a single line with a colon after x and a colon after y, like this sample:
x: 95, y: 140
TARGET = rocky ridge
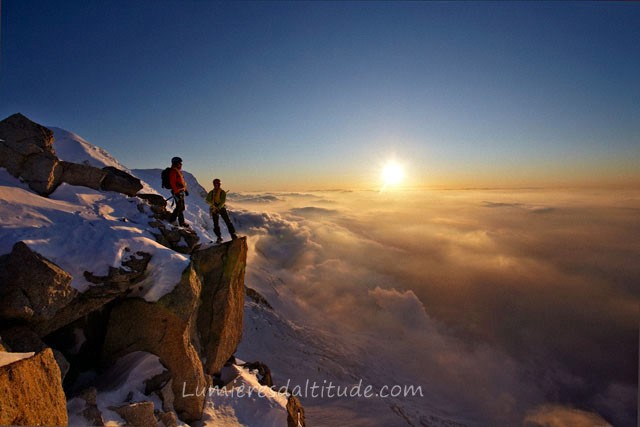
x: 194, y: 329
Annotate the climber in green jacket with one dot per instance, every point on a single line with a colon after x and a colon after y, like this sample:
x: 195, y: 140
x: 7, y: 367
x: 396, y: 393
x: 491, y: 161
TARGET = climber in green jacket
x: 216, y: 199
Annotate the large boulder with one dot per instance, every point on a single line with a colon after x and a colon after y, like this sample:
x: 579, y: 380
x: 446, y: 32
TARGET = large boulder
x: 22, y: 137
x: 82, y: 175
x: 26, y: 137
x: 26, y: 150
x: 222, y: 269
x: 106, y: 179
x: 31, y: 392
x: 42, y: 172
x: 32, y: 288
x: 120, y: 181
x: 163, y: 328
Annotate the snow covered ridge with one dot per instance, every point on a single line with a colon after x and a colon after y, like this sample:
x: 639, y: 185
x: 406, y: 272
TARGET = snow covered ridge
x: 81, y: 229
x: 75, y: 149
x: 91, y: 269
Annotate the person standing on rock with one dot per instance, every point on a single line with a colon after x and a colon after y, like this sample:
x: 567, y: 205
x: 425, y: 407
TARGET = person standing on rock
x: 216, y: 199
x: 179, y: 191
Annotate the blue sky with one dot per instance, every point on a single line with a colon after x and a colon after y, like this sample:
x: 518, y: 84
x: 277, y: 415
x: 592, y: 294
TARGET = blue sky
x: 295, y: 95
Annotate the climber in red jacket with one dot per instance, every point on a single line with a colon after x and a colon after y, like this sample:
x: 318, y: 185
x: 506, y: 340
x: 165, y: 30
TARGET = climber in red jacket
x: 179, y: 190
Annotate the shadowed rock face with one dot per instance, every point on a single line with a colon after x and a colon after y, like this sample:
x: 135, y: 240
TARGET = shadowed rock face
x: 26, y: 150
x: 31, y: 391
x: 25, y: 137
x: 32, y: 288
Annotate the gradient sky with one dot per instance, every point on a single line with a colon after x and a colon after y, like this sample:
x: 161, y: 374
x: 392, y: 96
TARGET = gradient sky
x: 289, y: 95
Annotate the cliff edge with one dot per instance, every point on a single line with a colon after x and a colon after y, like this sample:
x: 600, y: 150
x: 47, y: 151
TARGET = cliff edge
x: 103, y: 304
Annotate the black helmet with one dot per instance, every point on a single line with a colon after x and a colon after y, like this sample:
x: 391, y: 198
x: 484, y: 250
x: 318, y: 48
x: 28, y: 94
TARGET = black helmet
x: 176, y: 160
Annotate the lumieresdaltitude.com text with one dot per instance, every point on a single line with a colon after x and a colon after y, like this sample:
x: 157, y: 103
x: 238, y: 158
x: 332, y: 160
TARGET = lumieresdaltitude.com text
x: 310, y: 389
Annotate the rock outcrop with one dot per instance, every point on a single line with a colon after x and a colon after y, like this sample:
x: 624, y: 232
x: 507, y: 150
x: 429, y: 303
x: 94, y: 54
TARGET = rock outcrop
x: 164, y: 329
x: 119, y: 280
x: 157, y: 202
x: 32, y: 288
x: 181, y: 240
x: 105, y: 179
x: 193, y: 330
x: 220, y: 314
x: 26, y: 151
x: 36, y: 292
x: 120, y: 181
x: 82, y: 175
x: 257, y: 297
x: 23, y: 339
x: 198, y: 324
x: 32, y: 393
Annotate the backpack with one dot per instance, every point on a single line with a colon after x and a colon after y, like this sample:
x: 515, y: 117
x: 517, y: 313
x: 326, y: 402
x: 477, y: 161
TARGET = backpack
x: 164, y: 176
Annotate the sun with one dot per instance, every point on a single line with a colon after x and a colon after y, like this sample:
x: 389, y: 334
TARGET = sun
x: 392, y: 174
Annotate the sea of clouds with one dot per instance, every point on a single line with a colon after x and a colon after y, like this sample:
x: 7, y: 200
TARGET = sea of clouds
x: 505, y: 306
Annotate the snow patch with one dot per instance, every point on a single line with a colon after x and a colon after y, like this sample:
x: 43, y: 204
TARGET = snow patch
x: 7, y: 358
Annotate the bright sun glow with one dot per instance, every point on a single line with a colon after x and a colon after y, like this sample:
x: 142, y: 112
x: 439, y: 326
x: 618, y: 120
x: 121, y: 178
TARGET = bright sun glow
x: 392, y: 174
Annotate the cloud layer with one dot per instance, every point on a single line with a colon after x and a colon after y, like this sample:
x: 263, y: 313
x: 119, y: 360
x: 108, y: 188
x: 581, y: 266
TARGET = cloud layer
x: 502, y: 301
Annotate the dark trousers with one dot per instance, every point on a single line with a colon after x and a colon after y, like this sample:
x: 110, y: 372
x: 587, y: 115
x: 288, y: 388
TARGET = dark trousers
x: 225, y: 216
x: 178, y: 211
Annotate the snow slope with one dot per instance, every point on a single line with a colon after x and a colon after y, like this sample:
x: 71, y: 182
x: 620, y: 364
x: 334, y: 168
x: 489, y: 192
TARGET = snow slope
x: 81, y: 229
x: 75, y: 149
